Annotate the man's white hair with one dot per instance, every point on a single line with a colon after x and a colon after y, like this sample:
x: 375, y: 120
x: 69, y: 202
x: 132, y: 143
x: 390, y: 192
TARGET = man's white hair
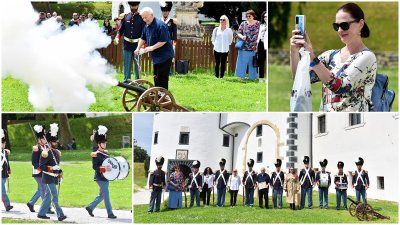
x: 148, y: 10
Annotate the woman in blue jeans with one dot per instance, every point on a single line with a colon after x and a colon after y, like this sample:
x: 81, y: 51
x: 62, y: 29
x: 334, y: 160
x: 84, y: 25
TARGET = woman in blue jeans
x: 248, y: 32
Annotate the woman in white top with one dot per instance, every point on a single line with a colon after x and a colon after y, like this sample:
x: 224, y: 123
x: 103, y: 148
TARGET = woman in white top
x: 233, y: 186
x: 261, y: 46
x: 221, y: 39
x: 207, y: 186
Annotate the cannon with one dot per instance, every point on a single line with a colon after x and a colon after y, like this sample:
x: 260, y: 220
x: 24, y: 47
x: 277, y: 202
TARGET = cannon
x: 142, y: 95
x: 357, y: 209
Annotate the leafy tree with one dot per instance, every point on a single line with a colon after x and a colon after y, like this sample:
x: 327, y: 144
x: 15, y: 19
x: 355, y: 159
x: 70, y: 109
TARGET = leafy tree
x: 146, y: 166
x: 231, y: 9
x: 278, y: 18
x: 139, y: 154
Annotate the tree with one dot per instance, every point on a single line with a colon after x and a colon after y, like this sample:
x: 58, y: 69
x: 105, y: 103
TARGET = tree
x: 65, y: 129
x: 231, y: 9
x: 278, y: 18
x: 139, y: 154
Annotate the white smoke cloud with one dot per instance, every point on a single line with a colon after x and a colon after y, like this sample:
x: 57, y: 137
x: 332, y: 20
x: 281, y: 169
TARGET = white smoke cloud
x: 57, y: 65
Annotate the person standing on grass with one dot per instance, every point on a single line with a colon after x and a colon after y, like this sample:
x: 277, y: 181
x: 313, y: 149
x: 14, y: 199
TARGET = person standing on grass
x: 156, y: 36
x: 221, y: 177
x: 233, y: 187
x: 263, y: 181
x: 341, y: 186
x: 292, y: 188
x: 277, y: 179
x: 360, y: 181
x: 5, y: 171
x: 98, y: 157
x: 36, y: 171
x: 156, y: 184
x: 195, y: 182
x: 261, y: 50
x: 176, y: 185
x: 208, y: 185
x: 323, y: 180
x: 249, y: 182
x: 307, y: 182
x: 221, y: 38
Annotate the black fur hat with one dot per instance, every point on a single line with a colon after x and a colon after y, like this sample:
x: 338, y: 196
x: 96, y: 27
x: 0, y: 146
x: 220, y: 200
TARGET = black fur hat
x: 359, y: 161
x: 323, y: 162
x: 39, y: 131
x: 250, y: 162
x: 278, y: 163
x: 52, y: 133
x: 166, y: 7
x: 340, y: 165
x: 306, y: 160
x: 222, y: 161
x: 196, y: 164
x: 101, y: 134
x: 159, y: 160
x: 133, y: 3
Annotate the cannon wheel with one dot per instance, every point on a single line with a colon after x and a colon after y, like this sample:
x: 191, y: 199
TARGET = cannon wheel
x: 156, y: 99
x: 364, y: 213
x: 352, y: 209
x: 130, y: 98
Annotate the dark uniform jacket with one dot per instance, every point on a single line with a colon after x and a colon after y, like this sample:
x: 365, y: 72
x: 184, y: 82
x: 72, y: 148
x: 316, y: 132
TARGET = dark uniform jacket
x: 220, y: 182
x: 275, y: 182
x: 45, y: 163
x: 192, y: 183
x: 97, y: 162
x: 341, y: 179
x: 305, y: 179
x: 6, y: 170
x: 36, y: 152
x: 318, y: 178
x: 249, y: 180
x: 157, y: 180
x: 132, y: 28
x: 359, y: 183
x: 172, y: 28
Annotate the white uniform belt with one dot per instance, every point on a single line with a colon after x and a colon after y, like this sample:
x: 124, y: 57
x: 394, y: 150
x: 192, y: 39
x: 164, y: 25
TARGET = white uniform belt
x: 157, y: 185
x: 52, y: 174
x: 131, y: 40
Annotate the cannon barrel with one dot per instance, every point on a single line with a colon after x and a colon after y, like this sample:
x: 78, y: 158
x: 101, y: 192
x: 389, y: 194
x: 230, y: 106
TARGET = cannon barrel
x: 139, y: 89
x: 352, y: 200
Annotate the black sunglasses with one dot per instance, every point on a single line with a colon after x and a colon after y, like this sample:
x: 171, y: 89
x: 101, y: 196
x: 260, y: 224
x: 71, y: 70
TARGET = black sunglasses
x: 221, y: 19
x: 343, y: 25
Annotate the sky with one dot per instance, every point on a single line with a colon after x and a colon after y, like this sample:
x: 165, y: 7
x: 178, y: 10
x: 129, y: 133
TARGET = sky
x: 143, y: 130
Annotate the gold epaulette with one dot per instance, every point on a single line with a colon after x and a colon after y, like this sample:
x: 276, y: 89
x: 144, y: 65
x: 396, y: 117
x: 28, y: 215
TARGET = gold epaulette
x: 45, y: 153
x: 175, y: 21
x: 8, y: 151
x: 93, y: 154
x: 365, y: 171
x: 151, y: 173
x: 35, y: 148
x: 59, y: 152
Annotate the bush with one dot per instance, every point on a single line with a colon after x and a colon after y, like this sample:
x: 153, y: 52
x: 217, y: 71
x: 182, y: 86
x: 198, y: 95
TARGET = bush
x: 99, y: 9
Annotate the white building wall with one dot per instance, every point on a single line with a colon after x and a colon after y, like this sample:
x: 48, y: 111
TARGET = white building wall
x: 303, y: 139
x: 375, y: 140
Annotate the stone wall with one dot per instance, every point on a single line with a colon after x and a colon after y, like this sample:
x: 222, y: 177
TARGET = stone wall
x: 282, y: 57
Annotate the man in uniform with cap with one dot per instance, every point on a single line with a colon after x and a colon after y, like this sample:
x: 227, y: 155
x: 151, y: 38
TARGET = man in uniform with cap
x: 5, y: 171
x: 323, y: 180
x: 157, y: 183
x: 195, y: 183
x: 249, y: 183
x: 341, y: 186
x: 98, y: 156
x: 171, y: 23
x: 221, y: 179
x: 307, y: 182
x: 360, y: 181
x: 52, y: 174
x: 36, y: 171
x: 277, y: 181
x: 131, y: 27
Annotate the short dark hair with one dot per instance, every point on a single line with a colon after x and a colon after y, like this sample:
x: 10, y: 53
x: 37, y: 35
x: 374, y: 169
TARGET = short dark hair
x: 357, y: 13
x: 251, y: 12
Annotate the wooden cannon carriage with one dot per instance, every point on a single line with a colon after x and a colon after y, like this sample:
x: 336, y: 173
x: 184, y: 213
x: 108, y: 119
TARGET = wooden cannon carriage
x: 357, y: 209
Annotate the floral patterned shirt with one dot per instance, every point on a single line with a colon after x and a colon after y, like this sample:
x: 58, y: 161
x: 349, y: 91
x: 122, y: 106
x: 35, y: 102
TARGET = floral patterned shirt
x: 177, y: 178
x: 351, y: 83
x: 251, y: 33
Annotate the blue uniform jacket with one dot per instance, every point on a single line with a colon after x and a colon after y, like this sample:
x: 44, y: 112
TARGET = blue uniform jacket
x: 96, y: 164
x: 51, y: 160
x: 131, y: 27
x: 278, y: 184
x: 358, y: 183
x: 6, y: 166
x: 199, y: 180
x: 220, y: 182
x: 307, y: 182
x: 36, y: 152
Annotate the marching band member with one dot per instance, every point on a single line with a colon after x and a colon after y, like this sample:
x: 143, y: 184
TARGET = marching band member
x: 5, y: 171
x: 323, y: 180
x: 97, y: 161
x: 221, y: 177
x: 36, y: 171
x: 307, y: 182
x: 195, y: 183
x: 49, y: 163
x: 263, y: 181
x: 277, y: 179
x: 249, y: 182
x: 360, y: 181
x: 156, y: 184
x: 292, y: 188
x: 341, y: 186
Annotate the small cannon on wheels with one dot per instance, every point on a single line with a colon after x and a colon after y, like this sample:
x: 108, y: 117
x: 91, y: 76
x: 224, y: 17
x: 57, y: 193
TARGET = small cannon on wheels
x: 357, y: 209
x: 141, y: 95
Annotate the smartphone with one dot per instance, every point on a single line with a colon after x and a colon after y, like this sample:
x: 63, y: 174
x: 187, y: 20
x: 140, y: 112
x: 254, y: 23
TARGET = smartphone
x: 300, y: 23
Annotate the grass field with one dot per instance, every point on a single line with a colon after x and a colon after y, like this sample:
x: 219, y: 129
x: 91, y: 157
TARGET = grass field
x: 241, y: 214
x: 281, y: 83
x: 13, y: 221
x: 139, y: 178
x: 78, y: 188
x: 199, y: 91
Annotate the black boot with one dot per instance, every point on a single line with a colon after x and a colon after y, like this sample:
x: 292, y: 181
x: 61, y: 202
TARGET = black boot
x: 43, y: 217
x: 61, y: 218
x: 90, y: 211
x: 112, y: 216
x: 8, y: 208
x: 30, y: 207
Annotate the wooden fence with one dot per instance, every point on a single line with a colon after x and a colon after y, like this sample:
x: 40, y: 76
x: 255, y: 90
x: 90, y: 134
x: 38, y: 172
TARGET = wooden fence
x: 198, y: 53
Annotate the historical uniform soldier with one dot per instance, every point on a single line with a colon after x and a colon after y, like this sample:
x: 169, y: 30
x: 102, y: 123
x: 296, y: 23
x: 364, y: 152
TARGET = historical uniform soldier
x: 157, y: 184
x: 195, y: 183
x: 249, y: 183
x: 52, y: 174
x: 263, y: 181
x: 5, y: 171
x: 323, y: 180
x: 360, y: 181
x: 277, y: 179
x: 171, y: 23
x: 36, y: 171
x: 341, y: 184
x: 98, y: 156
x: 131, y: 27
x: 307, y: 181
x: 221, y: 178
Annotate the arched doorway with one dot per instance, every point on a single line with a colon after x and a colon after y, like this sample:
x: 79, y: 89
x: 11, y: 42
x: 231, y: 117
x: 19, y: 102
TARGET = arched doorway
x: 268, y: 123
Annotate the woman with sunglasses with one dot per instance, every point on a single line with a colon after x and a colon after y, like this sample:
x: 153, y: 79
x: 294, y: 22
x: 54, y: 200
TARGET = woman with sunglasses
x: 248, y: 31
x: 221, y: 38
x: 261, y: 46
x: 347, y: 74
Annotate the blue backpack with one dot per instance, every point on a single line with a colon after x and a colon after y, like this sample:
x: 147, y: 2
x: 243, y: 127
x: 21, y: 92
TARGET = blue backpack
x: 382, y: 98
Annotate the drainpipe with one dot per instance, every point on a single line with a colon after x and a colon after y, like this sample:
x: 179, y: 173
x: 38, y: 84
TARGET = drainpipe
x: 311, y: 139
x: 233, y: 139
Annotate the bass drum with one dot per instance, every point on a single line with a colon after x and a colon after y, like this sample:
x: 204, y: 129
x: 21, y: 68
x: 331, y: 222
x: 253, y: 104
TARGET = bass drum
x: 123, y: 167
x: 112, y: 168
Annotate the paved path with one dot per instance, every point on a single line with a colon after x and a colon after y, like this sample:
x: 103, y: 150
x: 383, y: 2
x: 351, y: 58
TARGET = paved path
x: 74, y: 215
x: 142, y: 197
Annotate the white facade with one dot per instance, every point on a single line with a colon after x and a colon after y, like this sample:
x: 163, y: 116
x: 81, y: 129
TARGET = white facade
x: 375, y: 139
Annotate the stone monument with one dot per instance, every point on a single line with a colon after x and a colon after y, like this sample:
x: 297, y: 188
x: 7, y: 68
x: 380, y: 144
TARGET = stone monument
x: 186, y: 14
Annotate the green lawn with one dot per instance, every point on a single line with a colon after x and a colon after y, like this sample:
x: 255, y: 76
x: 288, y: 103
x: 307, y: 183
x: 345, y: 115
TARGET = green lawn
x: 281, y: 83
x: 139, y: 179
x: 241, y: 214
x: 199, y: 91
x: 9, y: 220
